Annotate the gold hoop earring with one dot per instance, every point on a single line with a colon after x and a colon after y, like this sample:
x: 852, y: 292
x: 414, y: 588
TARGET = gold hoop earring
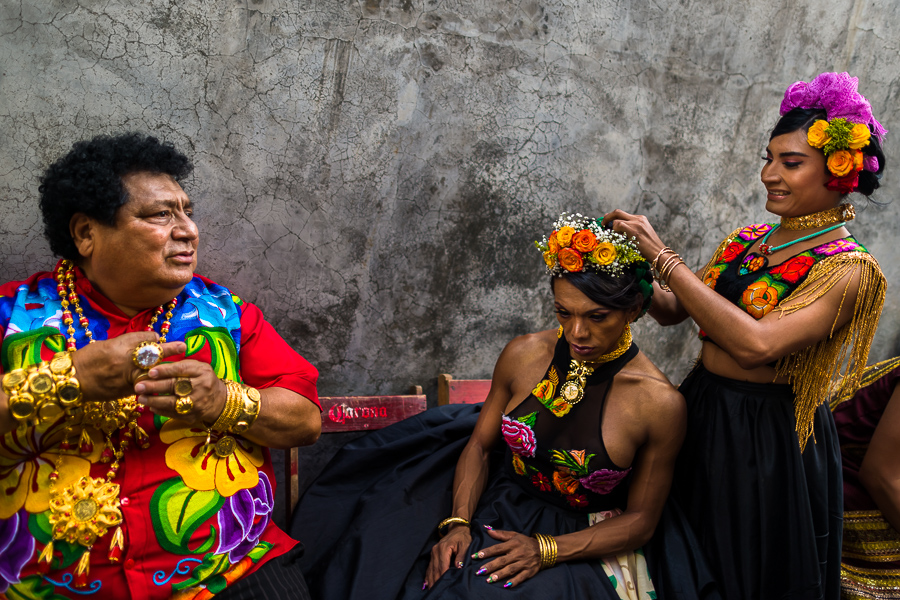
x: 559, y: 332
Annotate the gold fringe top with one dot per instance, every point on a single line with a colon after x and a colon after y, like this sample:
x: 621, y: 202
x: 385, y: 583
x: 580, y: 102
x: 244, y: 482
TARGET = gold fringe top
x: 815, y: 372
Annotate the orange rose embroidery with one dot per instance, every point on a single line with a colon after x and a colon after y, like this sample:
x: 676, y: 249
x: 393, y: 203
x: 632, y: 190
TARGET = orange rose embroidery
x: 570, y: 259
x: 711, y: 277
x: 584, y: 241
x: 760, y: 298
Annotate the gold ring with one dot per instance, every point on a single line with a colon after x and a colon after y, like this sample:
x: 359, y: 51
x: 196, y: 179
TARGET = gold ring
x: 147, y: 355
x: 183, y: 387
x: 142, y: 376
x: 184, y: 405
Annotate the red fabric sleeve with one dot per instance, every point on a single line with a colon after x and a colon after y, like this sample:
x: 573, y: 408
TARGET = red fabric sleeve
x: 268, y: 361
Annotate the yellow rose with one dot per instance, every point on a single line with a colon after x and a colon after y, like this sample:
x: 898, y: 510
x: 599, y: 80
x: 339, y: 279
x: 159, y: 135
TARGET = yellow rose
x: 604, y: 253
x: 550, y: 259
x: 840, y: 163
x: 816, y: 136
x: 859, y: 136
x: 564, y: 236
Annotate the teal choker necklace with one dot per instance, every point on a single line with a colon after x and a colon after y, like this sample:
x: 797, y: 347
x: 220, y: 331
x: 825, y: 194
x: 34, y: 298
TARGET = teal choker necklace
x: 754, y: 262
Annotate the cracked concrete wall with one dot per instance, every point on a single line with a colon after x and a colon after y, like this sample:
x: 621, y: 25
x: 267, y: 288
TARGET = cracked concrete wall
x: 372, y: 172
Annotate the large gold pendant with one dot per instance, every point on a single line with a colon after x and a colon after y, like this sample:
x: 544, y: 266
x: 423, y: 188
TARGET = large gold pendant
x: 572, y: 391
x: 84, y: 511
x: 110, y: 415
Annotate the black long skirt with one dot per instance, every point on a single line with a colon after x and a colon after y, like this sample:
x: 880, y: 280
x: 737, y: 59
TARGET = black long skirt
x: 768, y: 517
x: 369, y: 521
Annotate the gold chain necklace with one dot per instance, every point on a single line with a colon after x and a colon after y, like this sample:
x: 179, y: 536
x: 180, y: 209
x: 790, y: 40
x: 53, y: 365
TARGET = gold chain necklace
x: 572, y: 391
x: 823, y: 218
x: 84, y: 512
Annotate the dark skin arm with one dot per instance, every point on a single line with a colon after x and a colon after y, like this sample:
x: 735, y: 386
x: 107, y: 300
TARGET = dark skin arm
x: 880, y: 469
x: 106, y: 372
x: 654, y: 434
x: 749, y: 342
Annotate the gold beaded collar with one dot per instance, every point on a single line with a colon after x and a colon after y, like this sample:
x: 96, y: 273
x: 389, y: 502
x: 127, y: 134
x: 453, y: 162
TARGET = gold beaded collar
x: 831, y: 216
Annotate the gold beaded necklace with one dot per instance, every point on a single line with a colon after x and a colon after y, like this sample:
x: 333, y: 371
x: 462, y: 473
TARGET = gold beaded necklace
x: 823, y: 218
x: 84, y: 512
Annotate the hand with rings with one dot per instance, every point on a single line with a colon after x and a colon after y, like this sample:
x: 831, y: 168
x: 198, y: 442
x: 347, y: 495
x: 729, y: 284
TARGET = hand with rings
x: 187, y: 390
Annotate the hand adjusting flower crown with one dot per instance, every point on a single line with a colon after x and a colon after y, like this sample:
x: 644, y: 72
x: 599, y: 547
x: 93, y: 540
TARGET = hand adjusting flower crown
x: 847, y: 131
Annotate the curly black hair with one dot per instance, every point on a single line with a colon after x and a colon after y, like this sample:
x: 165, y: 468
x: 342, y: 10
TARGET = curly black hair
x: 88, y: 180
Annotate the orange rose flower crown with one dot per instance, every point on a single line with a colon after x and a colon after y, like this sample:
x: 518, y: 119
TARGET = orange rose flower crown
x: 582, y: 244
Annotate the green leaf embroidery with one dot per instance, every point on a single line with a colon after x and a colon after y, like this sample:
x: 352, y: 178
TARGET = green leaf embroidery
x: 218, y: 583
x: 212, y: 565
x: 24, y: 349
x: 178, y: 511
x: 567, y: 458
x: 33, y: 588
x: 223, y: 352
x: 529, y: 419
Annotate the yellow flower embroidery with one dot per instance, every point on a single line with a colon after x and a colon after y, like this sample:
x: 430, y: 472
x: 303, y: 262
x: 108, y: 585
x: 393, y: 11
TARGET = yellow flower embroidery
x: 26, y: 461
x: 199, y: 465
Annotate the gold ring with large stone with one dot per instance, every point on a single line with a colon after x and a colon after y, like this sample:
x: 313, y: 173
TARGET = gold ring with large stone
x: 184, y: 405
x: 147, y: 355
x: 183, y: 387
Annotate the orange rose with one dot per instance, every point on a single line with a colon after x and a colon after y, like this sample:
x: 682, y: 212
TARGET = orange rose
x: 550, y: 259
x: 584, y: 241
x: 759, y: 298
x: 553, y: 243
x: 570, y: 260
x: 840, y: 163
x: 859, y: 136
x: 564, y: 236
x: 565, y: 483
x: 816, y: 136
x: 604, y: 253
x: 857, y: 160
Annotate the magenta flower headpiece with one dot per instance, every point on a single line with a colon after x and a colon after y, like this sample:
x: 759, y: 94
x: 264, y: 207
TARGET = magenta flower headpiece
x: 837, y: 94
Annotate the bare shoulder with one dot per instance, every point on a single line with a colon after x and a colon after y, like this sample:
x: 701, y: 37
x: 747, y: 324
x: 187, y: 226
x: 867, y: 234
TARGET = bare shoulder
x: 649, y: 390
x: 525, y: 355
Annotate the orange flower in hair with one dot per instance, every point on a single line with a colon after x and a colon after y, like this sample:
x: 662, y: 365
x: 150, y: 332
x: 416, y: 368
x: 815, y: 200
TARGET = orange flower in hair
x: 857, y: 160
x: 584, y: 241
x: 553, y: 243
x: 570, y: 260
x: 840, y: 163
x: 564, y: 236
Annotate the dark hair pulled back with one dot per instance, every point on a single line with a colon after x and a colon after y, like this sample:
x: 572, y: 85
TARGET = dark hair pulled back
x: 622, y: 292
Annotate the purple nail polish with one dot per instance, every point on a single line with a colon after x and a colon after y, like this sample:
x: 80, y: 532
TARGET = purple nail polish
x: 507, y: 584
x: 488, y: 527
x: 481, y: 571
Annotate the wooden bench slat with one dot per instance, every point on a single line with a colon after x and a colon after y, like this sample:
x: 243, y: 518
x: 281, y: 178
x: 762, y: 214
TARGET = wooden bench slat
x: 462, y: 391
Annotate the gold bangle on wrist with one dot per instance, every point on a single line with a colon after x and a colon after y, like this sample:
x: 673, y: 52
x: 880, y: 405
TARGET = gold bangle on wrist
x: 442, y: 526
x: 672, y: 267
x: 658, y: 254
x: 250, y: 403
x: 547, y: 548
x: 234, y: 403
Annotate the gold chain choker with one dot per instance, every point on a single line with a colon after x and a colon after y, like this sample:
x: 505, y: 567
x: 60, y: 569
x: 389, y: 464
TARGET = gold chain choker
x: 831, y: 216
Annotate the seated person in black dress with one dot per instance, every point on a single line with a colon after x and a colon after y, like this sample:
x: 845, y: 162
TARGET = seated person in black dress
x: 591, y: 429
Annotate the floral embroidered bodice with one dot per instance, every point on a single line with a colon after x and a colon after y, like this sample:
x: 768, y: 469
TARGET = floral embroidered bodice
x: 746, y: 279
x: 556, y: 450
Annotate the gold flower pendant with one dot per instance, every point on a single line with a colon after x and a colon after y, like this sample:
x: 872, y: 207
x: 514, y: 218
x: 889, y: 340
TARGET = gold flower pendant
x: 84, y: 511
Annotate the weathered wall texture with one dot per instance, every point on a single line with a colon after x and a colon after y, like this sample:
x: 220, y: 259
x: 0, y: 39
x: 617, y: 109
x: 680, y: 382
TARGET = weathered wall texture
x: 372, y: 173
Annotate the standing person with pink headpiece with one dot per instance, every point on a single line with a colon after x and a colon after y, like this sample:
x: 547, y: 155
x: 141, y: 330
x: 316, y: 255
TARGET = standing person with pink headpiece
x: 782, y: 307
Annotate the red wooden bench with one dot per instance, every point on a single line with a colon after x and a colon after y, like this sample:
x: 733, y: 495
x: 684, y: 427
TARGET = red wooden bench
x: 351, y: 413
x: 461, y: 391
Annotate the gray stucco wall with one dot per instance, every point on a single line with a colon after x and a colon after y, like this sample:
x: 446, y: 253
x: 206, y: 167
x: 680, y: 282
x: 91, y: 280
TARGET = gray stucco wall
x: 372, y: 173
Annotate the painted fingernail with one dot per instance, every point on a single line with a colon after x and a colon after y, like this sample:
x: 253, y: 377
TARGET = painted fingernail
x: 459, y: 565
x: 475, y: 555
x: 492, y: 579
x: 488, y: 527
x: 481, y: 571
x: 507, y: 584
x: 425, y: 586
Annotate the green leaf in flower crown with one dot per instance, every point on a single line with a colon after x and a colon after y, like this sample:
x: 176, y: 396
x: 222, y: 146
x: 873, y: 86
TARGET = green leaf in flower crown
x: 223, y: 352
x: 24, y: 349
x: 178, y: 511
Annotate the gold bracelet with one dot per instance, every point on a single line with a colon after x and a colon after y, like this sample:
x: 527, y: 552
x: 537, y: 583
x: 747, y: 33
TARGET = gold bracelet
x: 234, y: 403
x: 660, y: 253
x: 442, y: 526
x: 547, y: 548
x: 670, y: 266
x: 32, y: 388
x: 250, y: 405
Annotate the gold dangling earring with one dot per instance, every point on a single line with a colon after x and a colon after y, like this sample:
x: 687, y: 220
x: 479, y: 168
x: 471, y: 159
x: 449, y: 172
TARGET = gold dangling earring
x: 559, y: 332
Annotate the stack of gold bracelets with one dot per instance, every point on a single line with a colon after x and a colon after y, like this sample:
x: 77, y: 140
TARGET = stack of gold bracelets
x: 665, y: 271
x: 42, y: 390
x: 547, y: 546
x: 240, y: 412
